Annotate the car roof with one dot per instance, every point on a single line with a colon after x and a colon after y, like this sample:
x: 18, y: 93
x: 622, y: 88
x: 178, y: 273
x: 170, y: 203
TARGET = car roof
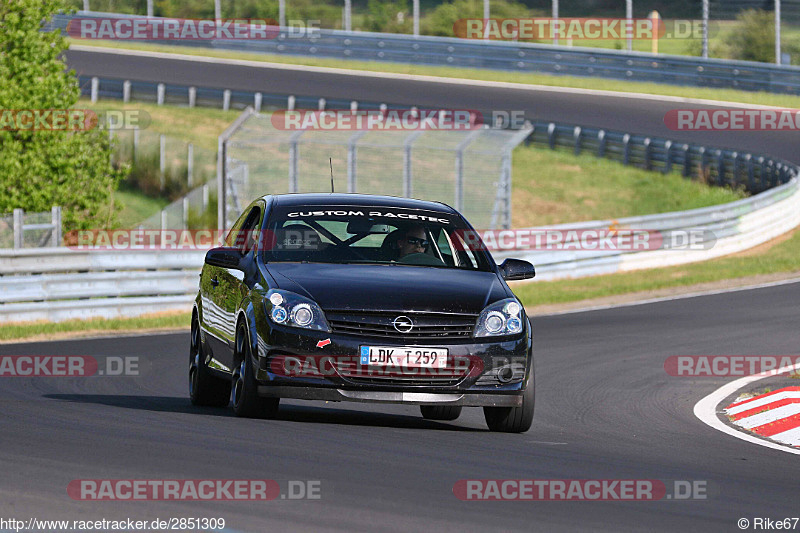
x: 367, y: 200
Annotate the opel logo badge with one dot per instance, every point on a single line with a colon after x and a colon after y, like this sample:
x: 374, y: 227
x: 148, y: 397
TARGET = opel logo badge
x: 403, y: 324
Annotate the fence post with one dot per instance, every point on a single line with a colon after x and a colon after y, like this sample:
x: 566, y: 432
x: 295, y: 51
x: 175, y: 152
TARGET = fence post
x: 162, y: 157
x: 626, y: 149
x: 257, y: 102
x: 576, y: 133
x: 551, y: 135
x: 290, y: 101
x: 293, y: 158
x: 192, y: 96
x: 226, y: 99
x: 205, y: 198
x: 352, y: 160
x: 751, y: 176
x: 647, y: 155
x: 18, y: 213
x: 185, y: 212
x: 95, y: 89
x: 353, y: 106
x: 321, y: 104
x: 55, y: 220
x: 702, y: 151
x: 408, y: 170
x: 160, y: 94
x: 190, y: 165
x: 668, y: 156
x: 601, y: 143
x: 163, y: 219
x: 735, y: 179
x: 687, y: 162
x: 135, y: 142
x: 126, y: 91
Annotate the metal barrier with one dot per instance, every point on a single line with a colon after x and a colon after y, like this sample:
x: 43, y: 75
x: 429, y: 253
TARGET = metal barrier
x: 717, y: 166
x: 735, y: 226
x: 72, y: 284
x: 83, y: 284
x: 519, y: 57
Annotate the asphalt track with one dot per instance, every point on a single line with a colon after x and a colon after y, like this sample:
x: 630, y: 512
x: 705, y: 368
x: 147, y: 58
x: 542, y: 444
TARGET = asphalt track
x: 606, y: 409
x: 629, y: 113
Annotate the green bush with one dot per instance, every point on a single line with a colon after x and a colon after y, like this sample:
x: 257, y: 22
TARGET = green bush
x: 754, y: 39
x: 39, y: 169
x: 196, y: 219
x: 440, y: 21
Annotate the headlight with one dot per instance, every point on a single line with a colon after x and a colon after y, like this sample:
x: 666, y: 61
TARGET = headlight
x: 290, y: 309
x: 500, y: 318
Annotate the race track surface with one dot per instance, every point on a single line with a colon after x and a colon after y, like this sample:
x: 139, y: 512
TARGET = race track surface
x: 606, y: 409
x: 629, y: 113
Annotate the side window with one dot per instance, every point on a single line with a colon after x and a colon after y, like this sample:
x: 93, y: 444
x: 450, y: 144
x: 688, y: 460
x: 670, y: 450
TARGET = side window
x: 243, y: 234
x: 230, y: 240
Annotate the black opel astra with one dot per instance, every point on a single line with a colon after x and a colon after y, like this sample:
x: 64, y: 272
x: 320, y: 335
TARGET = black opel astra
x: 346, y: 297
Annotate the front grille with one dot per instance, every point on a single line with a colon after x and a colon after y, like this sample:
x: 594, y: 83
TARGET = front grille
x: 450, y: 375
x: 426, y: 326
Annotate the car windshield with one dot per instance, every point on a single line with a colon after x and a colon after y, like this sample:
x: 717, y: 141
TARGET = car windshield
x: 370, y: 235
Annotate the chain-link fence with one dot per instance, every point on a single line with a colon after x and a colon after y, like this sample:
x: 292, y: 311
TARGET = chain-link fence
x: 470, y: 169
x: 30, y: 230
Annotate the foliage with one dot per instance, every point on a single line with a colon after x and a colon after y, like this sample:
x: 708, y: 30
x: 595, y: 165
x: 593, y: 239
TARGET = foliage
x: 39, y: 169
x: 754, y: 39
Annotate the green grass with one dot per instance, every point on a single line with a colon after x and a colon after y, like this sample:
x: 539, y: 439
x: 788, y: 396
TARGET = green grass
x: 198, y: 125
x: 783, y: 257
x: 136, y: 207
x: 552, y: 187
x: 731, y: 95
x: 98, y: 326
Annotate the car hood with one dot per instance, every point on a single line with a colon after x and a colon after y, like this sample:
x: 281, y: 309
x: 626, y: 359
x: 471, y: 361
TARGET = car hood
x: 390, y: 287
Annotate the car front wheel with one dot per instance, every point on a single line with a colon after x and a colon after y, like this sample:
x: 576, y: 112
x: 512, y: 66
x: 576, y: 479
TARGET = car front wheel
x: 512, y: 419
x: 246, y: 401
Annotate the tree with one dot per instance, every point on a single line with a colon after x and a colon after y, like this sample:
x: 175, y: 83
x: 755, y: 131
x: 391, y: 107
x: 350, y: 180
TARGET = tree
x: 39, y: 169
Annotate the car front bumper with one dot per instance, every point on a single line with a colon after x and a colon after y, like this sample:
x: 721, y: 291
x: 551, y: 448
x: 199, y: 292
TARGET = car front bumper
x: 465, y: 399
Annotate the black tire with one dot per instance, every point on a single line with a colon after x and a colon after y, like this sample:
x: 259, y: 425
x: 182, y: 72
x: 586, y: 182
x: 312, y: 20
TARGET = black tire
x: 204, y: 388
x: 440, y: 412
x: 512, y: 419
x: 246, y: 401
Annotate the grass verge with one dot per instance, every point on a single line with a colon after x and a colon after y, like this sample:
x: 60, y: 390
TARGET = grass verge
x: 35, y: 331
x: 731, y: 95
x: 137, y: 207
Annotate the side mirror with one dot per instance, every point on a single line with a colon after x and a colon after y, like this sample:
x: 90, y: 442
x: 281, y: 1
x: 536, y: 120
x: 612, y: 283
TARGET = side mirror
x: 516, y: 269
x: 224, y: 257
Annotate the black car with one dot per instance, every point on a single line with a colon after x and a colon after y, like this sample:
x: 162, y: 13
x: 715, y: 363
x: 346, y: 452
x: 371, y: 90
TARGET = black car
x: 346, y: 297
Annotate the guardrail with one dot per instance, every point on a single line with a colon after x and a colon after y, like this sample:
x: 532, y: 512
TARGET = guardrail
x: 69, y: 284
x: 735, y: 227
x: 498, y: 55
x: 82, y: 284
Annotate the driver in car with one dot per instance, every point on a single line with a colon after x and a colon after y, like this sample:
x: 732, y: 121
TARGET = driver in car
x: 413, y: 246
x: 414, y: 241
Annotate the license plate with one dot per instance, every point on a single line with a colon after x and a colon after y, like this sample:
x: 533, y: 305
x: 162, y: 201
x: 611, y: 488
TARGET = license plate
x: 404, y: 356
